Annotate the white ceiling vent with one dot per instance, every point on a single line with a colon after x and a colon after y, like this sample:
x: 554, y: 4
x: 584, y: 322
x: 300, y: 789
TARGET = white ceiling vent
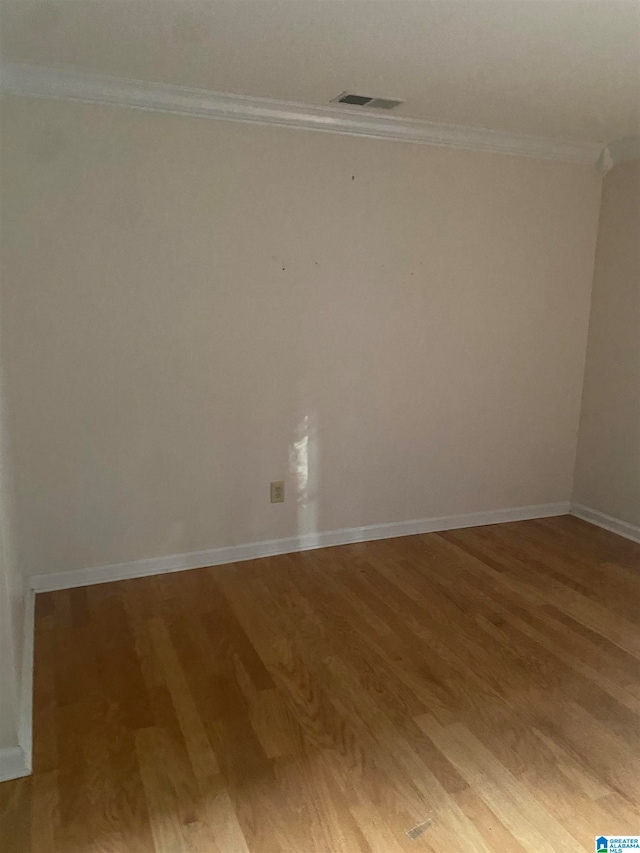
x: 365, y: 101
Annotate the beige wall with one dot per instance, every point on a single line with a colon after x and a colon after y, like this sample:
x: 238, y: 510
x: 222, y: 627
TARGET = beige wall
x: 194, y: 308
x: 608, y: 465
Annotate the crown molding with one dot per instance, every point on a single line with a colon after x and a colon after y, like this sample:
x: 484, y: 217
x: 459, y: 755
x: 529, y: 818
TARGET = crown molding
x: 68, y: 84
x: 627, y: 148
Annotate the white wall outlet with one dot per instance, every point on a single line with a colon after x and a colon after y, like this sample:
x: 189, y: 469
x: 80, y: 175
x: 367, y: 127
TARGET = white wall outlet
x: 277, y: 492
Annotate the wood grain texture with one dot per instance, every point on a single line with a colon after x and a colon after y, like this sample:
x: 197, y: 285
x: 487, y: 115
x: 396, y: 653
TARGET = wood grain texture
x: 484, y: 681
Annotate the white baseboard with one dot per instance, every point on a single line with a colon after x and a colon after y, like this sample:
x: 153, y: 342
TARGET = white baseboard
x: 16, y: 761
x: 13, y: 764
x: 608, y: 522
x: 25, y: 708
x: 272, y: 547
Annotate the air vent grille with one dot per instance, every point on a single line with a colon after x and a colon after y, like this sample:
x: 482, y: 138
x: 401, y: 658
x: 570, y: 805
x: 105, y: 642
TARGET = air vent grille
x: 366, y: 101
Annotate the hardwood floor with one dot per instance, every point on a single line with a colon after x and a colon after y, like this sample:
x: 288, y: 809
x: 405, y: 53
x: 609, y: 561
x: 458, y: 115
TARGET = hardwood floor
x: 482, y: 685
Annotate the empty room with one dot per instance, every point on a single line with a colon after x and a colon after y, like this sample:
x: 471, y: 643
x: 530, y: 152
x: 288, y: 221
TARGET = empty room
x: 319, y: 426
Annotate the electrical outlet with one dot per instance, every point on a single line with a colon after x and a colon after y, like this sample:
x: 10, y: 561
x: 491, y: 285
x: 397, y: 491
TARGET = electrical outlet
x: 277, y: 492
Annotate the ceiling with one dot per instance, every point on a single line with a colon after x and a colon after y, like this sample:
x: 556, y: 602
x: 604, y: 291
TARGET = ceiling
x: 557, y: 68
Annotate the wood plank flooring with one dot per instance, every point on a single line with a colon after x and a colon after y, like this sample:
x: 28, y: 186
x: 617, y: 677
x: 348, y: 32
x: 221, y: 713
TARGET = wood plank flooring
x: 482, y: 685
